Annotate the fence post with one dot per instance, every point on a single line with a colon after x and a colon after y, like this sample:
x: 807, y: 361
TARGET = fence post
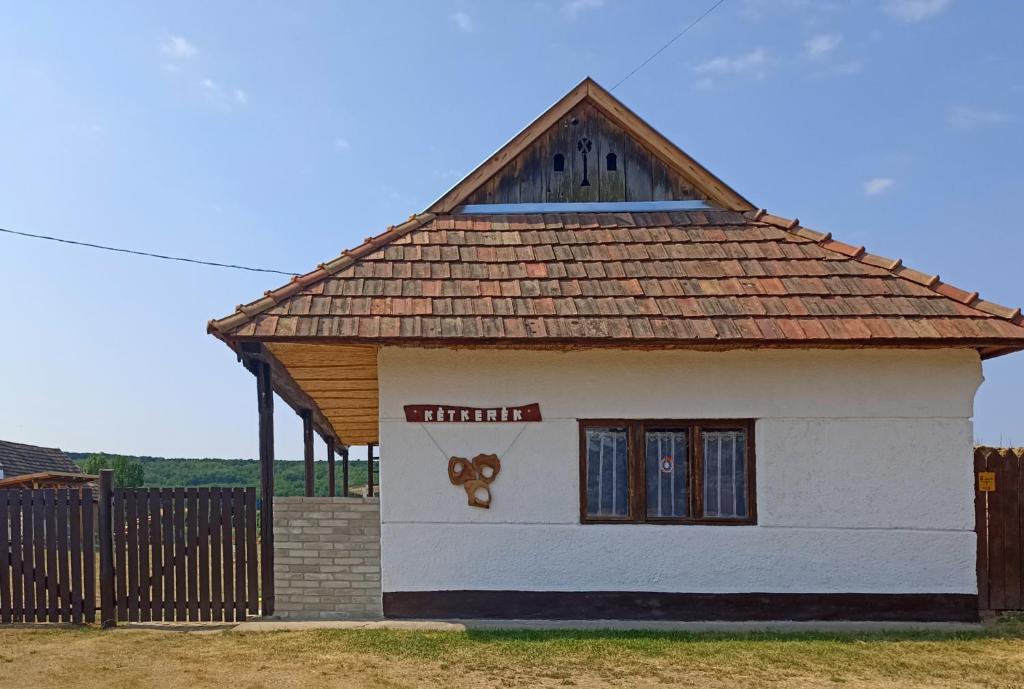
x: 108, y: 617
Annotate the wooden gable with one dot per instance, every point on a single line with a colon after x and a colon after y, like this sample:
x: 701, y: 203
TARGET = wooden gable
x: 582, y: 157
x: 589, y: 147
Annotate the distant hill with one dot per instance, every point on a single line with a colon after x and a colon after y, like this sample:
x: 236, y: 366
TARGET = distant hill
x: 289, y: 477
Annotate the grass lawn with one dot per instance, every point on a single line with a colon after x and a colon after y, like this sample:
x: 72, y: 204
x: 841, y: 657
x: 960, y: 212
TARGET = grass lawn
x: 86, y: 658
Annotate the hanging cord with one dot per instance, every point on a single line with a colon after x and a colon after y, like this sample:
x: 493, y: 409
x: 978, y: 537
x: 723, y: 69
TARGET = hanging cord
x: 447, y: 455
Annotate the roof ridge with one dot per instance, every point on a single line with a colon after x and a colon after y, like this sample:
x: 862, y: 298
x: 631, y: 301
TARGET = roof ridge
x: 246, y: 312
x: 894, y: 266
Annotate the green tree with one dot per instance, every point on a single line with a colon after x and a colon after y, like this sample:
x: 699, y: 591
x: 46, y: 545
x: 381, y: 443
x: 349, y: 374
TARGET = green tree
x: 128, y: 472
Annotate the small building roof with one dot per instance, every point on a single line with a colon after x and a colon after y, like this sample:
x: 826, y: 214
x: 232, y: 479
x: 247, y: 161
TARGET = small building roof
x: 17, y: 459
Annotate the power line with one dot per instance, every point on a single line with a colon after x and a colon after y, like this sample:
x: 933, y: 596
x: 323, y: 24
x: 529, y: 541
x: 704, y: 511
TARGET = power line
x: 675, y: 38
x: 146, y: 253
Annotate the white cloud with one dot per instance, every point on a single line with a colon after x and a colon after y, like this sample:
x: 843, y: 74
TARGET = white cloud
x: 820, y: 47
x: 342, y: 144
x: 878, y: 185
x: 753, y: 64
x: 463, y: 21
x: 178, y: 48
x: 222, y: 96
x: 964, y: 117
x: 912, y: 11
x: 573, y: 8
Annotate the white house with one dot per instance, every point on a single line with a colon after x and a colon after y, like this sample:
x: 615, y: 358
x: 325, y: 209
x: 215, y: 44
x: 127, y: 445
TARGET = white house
x: 605, y: 385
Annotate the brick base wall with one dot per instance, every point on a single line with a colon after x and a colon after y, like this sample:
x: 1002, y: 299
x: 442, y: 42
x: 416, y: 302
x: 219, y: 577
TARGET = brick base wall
x: 327, y: 558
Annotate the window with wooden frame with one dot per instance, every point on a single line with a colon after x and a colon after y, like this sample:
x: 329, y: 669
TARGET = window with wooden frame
x: 667, y: 471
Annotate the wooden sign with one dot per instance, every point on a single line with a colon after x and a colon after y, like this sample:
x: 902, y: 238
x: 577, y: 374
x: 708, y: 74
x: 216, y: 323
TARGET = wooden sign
x: 446, y: 413
x: 986, y: 481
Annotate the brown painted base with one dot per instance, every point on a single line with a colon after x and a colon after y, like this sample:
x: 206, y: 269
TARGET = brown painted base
x: 631, y: 605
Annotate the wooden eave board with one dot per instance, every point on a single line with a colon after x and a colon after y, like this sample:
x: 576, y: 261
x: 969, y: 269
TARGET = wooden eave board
x: 341, y: 380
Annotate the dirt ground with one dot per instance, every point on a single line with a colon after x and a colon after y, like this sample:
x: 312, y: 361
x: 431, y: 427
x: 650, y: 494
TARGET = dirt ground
x: 87, y: 658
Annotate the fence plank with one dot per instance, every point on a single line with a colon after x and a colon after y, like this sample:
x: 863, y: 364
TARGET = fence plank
x: 50, y: 545
x: 238, y: 513
x: 63, y: 584
x: 75, y: 519
x: 1020, y: 526
x: 204, y: 554
x: 17, y: 597
x: 120, y: 554
x: 228, y: 563
x: 145, y: 557
x: 134, y: 592
x: 39, y: 548
x: 192, y: 539
x: 996, y: 574
x: 6, y: 606
x: 28, y: 561
x: 88, y: 557
x: 108, y: 604
x: 252, y: 555
x: 216, y: 573
x: 1011, y: 530
x: 156, y: 599
x: 166, y: 521
x: 180, y: 556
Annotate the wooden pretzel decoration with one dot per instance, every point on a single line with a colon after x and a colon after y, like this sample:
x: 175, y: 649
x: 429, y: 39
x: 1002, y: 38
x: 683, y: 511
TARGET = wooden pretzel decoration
x: 475, y: 477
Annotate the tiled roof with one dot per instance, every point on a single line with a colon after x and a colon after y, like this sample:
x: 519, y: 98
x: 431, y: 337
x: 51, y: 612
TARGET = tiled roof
x: 17, y: 459
x: 676, y: 278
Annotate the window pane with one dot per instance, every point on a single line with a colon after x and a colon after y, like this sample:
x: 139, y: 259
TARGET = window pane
x: 668, y: 470
x: 607, y: 472
x: 725, y: 473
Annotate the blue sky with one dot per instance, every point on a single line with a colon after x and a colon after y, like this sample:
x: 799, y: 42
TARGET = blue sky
x: 276, y: 135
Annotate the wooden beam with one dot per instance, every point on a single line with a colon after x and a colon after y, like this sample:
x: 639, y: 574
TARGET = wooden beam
x: 265, y: 402
x: 718, y: 191
x: 331, y: 489
x: 307, y: 444
x: 369, y: 470
x: 457, y: 194
x: 286, y: 387
x: 344, y: 470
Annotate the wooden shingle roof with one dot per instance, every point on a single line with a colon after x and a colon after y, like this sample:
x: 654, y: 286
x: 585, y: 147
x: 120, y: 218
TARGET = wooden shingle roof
x: 17, y: 459
x: 708, y: 278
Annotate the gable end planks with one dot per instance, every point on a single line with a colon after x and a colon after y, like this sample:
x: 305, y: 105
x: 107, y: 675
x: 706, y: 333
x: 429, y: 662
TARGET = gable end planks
x: 585, y: 157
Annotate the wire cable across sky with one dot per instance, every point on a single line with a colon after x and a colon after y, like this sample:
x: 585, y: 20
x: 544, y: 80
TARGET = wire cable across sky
x: 146, y: 253
x: 675, y: 38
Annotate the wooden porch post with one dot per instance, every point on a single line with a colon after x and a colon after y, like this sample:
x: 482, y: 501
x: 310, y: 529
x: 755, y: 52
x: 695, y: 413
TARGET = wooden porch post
x: 331, y: 489
x: 369, y: 470
x: 265, y: 400
x: 344, y: 471
x: 307, y: 442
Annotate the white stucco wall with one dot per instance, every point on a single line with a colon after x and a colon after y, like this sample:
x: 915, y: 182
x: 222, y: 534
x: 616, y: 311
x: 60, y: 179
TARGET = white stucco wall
x: 864, y: 474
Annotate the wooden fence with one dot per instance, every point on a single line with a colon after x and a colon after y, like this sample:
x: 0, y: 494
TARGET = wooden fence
x: 164, y: 554
x: 47, y: 556
x: 185, y: 554
x: 999, y: 519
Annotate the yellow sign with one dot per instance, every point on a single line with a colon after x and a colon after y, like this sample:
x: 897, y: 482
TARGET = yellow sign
x: 986, y: 481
